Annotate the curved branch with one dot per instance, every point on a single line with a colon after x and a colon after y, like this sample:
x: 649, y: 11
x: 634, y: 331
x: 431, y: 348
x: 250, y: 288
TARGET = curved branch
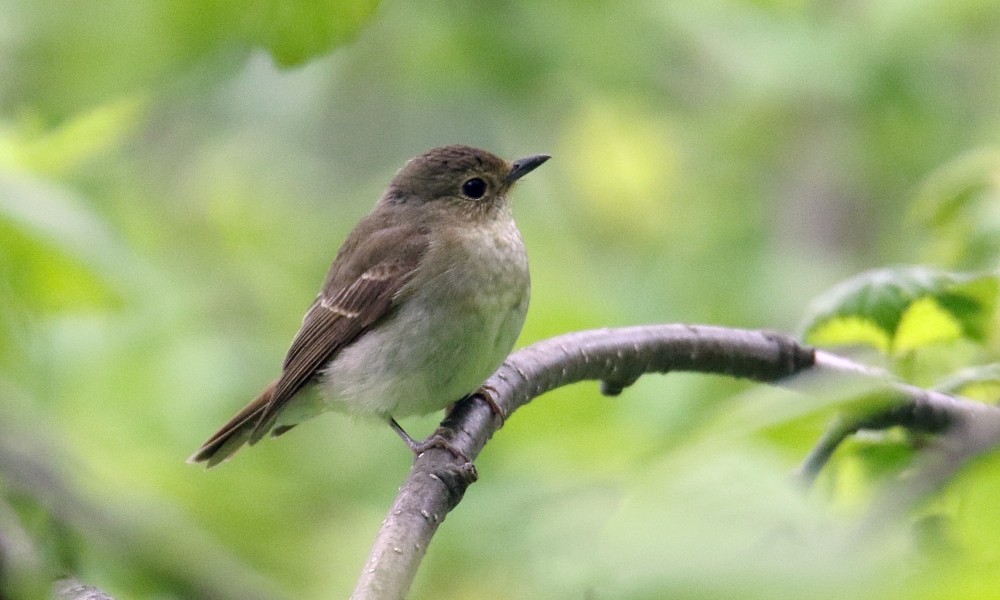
x: 616, y: 357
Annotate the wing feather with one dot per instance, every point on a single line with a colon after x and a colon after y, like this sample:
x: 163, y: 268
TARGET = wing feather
x: 362, y: 288
x: 331, y: 324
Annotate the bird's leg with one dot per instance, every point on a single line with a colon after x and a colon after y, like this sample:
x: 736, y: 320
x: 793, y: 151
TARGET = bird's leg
x: 412, y: 443
x: 436, y: 439
x: 485, y: 392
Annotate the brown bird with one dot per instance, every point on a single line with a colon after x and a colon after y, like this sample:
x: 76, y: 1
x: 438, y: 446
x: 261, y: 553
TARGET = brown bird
x: 424, y: 301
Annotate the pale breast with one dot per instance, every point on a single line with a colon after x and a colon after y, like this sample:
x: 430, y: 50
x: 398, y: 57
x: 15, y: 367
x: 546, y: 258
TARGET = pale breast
x: 456, y: 323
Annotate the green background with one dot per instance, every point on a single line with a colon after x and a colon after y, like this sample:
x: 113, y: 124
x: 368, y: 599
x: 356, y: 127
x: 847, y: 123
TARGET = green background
x: 175, y: 177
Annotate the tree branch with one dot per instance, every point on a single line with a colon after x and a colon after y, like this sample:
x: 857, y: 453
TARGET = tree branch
x: 903, y: 405
x: 72, y: 589
x: 968, y: 436
x: 616, y: 357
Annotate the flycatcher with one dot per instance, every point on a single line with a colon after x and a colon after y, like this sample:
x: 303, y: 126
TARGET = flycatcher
x: 423, y: 302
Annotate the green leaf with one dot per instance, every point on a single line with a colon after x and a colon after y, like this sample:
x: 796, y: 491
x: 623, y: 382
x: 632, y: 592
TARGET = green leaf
x: 952, y: 188
x: 72, y: 56
x: 903, y: 309
x: 850, y: 330
x: 973, y: 301
x: 297, y: 31
x: 925, y: 322
x: 959, y: 208
x: 34, y: 147
x: 60, y: 251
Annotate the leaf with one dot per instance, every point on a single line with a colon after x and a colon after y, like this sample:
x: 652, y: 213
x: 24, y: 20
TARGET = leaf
x: 856, y: 330
x: 56, y: 245
x: 297, y: 31
x: 903, y: 309
x: 958, y: 207
x: 55, y: 150
x: 954, y: 187
x: 70, y: 56
x: 925, y: 322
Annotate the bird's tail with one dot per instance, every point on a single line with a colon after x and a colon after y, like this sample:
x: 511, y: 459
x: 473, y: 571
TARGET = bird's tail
x: 238, y: 431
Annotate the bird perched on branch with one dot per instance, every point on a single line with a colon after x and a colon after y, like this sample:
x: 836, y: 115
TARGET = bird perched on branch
x: 422, y: 303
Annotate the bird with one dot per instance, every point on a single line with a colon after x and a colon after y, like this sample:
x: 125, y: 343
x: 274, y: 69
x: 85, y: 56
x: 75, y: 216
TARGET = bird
x: 424, y: 300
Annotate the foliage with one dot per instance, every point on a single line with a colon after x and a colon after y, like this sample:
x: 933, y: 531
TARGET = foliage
x: 900, y: 311
x: 175, y: 177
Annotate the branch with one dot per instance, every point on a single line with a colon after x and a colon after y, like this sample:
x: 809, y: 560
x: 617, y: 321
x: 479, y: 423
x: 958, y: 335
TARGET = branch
x: 616, y: 357
x: 968, y: 437
x: 904, y: 405
x: 71, y: 589
x: 33, y: 465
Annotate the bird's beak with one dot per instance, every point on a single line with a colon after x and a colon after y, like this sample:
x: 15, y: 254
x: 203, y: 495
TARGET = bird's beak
x: 523, y: 166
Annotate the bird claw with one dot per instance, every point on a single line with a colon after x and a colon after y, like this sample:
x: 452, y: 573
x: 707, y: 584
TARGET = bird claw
x: 485, y: 392
x: 436, y: 440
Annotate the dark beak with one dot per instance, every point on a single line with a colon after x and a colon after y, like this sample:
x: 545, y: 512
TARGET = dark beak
x: 523, y: 166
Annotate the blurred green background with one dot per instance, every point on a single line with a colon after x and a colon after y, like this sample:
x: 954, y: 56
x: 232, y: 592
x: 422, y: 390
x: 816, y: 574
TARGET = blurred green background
x: 175, y: 177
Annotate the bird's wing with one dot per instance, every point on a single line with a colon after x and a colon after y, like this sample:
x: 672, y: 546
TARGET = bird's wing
x: 362, y: 287
x: 352, y: 301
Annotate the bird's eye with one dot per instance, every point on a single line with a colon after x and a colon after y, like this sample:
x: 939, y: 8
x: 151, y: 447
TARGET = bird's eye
x: 474, y: 188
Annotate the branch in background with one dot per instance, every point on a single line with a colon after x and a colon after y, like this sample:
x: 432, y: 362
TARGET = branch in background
x: 71, y: 589
x: 32, y: 467
x: 903, y: 405
x: 969, y: 435
x: 23, y: 571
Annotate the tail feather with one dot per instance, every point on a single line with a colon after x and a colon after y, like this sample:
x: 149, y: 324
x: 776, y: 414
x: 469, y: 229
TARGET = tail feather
x: 236, y: 432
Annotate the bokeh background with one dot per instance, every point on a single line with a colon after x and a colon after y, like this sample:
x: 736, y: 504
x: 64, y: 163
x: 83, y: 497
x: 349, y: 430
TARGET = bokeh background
x: 175, y: 177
